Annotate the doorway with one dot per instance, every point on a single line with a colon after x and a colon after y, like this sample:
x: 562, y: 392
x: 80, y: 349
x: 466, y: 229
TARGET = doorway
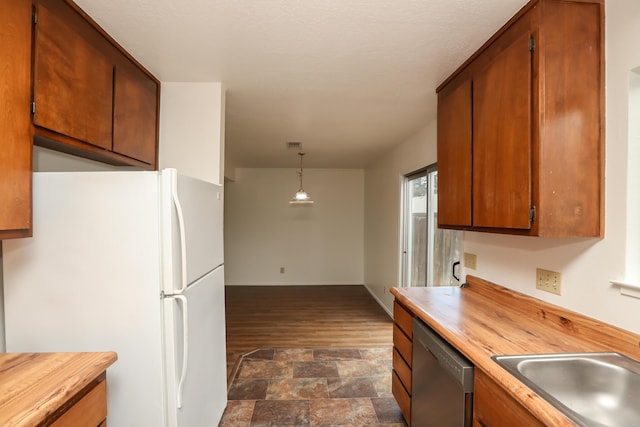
x: 430, y: 255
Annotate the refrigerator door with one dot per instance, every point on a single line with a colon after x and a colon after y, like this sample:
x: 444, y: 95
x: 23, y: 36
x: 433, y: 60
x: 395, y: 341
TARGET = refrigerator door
x: 192, y: 213
x: 200, y: 397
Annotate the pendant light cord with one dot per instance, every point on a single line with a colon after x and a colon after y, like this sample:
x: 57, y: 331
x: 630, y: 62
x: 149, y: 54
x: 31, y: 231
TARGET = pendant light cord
x: 301, y: 154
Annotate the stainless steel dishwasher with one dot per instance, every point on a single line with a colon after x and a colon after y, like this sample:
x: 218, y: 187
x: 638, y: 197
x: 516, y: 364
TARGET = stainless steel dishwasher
x: 442, y: 382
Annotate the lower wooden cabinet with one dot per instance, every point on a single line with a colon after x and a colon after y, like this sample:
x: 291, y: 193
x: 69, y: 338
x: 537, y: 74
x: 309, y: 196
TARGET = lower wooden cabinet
x: 402, y: 358
x: 89, y: 411
x: 493, y: 407
x: 402, y: 396
x: 402, y: 370
x: 54, y: 389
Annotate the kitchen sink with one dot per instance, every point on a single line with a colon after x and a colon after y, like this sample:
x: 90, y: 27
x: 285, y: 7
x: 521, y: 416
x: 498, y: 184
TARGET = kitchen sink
x: 592, y: 389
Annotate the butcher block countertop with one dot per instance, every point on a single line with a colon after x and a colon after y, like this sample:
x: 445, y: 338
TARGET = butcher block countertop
x: 36, y: 387
x: 483, y: 319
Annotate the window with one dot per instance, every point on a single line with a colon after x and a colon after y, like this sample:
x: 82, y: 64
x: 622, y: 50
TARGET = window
x: 428, y: 253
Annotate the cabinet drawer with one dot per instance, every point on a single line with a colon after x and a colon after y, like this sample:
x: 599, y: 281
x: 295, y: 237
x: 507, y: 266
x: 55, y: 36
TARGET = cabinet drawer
x: 402, y: 370
x: 403, y: 345
x: 403, y: 319
x: 90, y: 411
x: 402, y: 397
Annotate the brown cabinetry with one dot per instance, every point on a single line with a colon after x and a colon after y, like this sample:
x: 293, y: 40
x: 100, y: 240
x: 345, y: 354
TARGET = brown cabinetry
x: 135, y: 114
x: 90, y: 98
x: 402, y: 358
x: 520, y: 127
x: 493, y: 407
x: 15, y: 122
x: 65, y: 82
x: 73, y: 76
x: 89, y: 411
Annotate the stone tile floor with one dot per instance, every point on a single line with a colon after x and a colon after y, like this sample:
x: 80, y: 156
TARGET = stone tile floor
x: 305, y: 387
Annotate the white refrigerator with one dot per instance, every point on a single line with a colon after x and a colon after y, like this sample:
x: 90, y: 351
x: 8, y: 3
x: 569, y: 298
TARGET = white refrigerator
x: 130, y: 262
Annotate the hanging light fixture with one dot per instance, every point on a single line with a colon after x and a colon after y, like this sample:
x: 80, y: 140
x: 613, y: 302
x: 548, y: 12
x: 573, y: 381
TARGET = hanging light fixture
x: 301, y: 198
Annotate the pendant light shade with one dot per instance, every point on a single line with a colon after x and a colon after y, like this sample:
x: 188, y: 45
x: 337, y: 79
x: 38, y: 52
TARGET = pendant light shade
x: 301, y: 198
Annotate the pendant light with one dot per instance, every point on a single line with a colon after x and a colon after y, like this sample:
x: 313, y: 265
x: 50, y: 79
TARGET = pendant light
x: 301, y: 198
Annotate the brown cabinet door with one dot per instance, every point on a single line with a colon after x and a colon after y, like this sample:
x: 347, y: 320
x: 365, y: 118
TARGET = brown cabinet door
x: 454, y: 156
x: 502, y: 150
x: 89, y: 411
x: 135, y: 114
x: 493, y: 407
x: 15, y: 119
x: 73, y: 79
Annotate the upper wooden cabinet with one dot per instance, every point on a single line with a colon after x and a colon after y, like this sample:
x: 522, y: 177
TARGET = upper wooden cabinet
x: 65, y: 84
x: 90, y: 97
x: 135, y: 114
x: 521, y: 130
x: 73, y: 77
x: 454, y: 155
x: 16, y: 131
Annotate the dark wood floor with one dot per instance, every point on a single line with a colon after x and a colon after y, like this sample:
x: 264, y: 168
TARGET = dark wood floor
x: 303, y: 317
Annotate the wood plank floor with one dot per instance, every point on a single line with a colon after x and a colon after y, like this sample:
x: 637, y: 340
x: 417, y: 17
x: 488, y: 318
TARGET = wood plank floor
x: 303, y: 317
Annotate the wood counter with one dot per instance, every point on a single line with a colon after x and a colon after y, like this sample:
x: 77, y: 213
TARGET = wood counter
x: 483, y: 319
x: 41, y: 389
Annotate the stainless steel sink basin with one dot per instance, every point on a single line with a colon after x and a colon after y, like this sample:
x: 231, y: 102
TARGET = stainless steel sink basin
x: 593, y: 389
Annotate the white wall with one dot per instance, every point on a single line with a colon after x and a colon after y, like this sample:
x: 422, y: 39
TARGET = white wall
x: 382, y: 210
x: 192, y: 129
x: 47, y: 160
x: 586, y: 265
x: 322, y: 244
x: 633, y: 201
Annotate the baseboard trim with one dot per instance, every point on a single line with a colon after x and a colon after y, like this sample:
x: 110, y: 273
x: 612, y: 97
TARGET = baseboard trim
x: 375, y: 297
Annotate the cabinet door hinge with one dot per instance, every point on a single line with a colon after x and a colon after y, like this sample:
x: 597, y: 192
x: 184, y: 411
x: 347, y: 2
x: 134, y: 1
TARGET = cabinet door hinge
x: 532, y: 44
x: 34, y: 16
x: 33, y: 107
x: 532, y: 214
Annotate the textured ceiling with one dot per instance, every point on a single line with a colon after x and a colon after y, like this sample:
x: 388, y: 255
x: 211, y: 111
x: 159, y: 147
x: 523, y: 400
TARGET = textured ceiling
x: 347, y: 78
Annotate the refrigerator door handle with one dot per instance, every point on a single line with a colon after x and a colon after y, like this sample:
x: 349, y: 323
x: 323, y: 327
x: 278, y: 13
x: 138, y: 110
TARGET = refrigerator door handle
x: 183, y: 243
x: 185, y: 347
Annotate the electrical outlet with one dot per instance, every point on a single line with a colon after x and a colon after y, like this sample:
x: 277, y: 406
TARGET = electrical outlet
x: 281, y: 270
x: 549, y: 281
x: 470, y: 261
